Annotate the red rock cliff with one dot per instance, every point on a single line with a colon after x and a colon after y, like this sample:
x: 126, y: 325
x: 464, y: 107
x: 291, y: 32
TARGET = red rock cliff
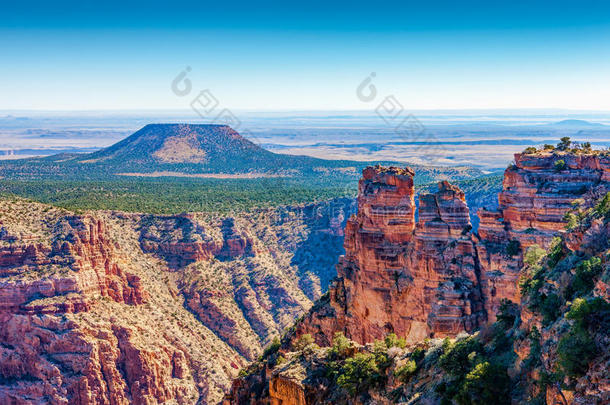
x: 538, y: 190
x: 54, y: 346
x: 435, y: 278
x: 415, y: 280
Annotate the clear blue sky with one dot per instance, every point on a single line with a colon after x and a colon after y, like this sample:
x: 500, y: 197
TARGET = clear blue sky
x: 308, y: 55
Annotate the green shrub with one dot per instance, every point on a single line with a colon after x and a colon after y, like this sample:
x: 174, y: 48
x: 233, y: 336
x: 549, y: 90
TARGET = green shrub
x: 380, y: 352
x: 501, y: 340
x: 485, y: 384
x: 391, y: 340
x: 272, y: 348
x: 533, y: 254
x: 575, y: 350
x: 590, y: 314
x: 548, y: 147
x: 341, y: 346
x: 584, y: 277
x: 507, y: 314
x: 564, y: 143
x: 572, y: 220
x: 556, y: 252
x: 359, y: 374
x: 280, y: 360
x: 418, y: 354
x: 560, y: 165
x: 304, y: 342
x: 530, y: 150
x: 457, y: 358
x: 550, y: 308
x: 603, y: 207
x: 406, y: 371
x: 532, y: 280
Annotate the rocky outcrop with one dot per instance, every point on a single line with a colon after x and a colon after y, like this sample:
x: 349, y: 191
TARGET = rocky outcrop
x: 416, y: 280
x: 180, y: 240
x: 552, y: 349
x: 49, y: 353
x: 444, y: 264
x: 538, y: 190
x: 437, y: 278
x: 81, y: 263
x: 47, y: 359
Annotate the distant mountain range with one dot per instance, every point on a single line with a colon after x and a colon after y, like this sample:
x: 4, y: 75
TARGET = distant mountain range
x: 576, y: 124
x: 186, y: 150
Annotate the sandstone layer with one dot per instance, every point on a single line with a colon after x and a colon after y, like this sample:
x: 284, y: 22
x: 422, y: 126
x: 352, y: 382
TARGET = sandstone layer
x: 538, y: 190
x: 435, y: 277
x: 413, y: 279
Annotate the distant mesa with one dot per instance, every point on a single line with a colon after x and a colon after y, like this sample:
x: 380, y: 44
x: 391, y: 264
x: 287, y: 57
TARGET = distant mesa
x: 576, y: 124
x: 178, y: 143
x: 194, y: 151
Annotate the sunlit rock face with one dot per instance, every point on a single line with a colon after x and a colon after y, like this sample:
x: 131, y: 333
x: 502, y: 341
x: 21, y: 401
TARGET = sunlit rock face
x: 124, y: 308
x: 537, y: 192
x: 414, y: 279
x: 434, y: 277
x: 48, y: 354
x: 440, y: 279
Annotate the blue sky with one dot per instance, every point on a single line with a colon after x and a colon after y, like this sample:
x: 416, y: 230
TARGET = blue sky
x: 281, y: 55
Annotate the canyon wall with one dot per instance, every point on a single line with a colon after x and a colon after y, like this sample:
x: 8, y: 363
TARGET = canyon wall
x: 116, y: 308
x: 537, y: 191
x: 435, y: 277
x: 413, y: 279
x: 52, y: 350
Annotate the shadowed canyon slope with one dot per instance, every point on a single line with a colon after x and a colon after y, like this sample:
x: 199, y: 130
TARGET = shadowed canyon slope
x: 113, y: 308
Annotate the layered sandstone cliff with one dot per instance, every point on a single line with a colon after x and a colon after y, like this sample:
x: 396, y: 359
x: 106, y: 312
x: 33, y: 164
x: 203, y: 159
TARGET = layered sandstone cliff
x: 438, y: 279
x: 115, y: 308
x: 434, y: 277
x: 413, y: 279
x: 55, y: 346
x: 538, y: 190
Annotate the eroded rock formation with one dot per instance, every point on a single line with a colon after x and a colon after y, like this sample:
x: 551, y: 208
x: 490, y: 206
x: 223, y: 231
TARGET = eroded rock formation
x: 116, y: 308
x: 53, y: 349
x: 538, y: 190
x: 416, y: 280
x: 81, y: 262
x: 435, y: 278
x: 439, y: 279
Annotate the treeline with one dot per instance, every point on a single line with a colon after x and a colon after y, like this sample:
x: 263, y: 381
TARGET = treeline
x: 172, y: 196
